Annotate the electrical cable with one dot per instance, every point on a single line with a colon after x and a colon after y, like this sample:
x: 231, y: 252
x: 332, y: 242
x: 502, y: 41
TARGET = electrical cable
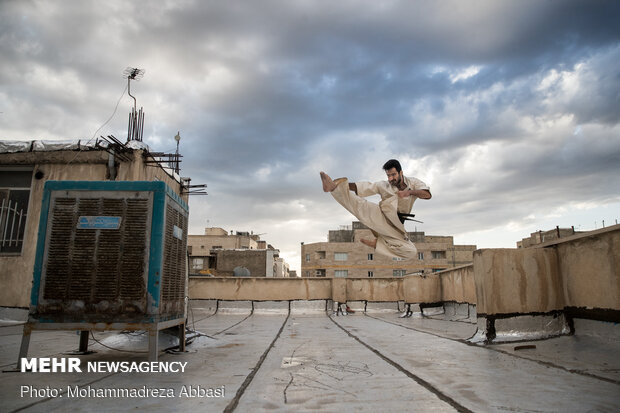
x: 115, y: 349
x: 102, y: 126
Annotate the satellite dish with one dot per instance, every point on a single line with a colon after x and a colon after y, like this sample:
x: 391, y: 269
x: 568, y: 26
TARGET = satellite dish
x: 241, y: 272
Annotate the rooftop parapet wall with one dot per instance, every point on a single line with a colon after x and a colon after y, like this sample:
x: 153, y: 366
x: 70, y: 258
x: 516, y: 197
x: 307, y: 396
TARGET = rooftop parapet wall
x: 375, y: 290
x: 411, y: 289
x: 581, y: 271
x: 419, y: 289
x: 259, y: 289
x: 458, y: 284
x: 511, y: 281
x: 590, y: 268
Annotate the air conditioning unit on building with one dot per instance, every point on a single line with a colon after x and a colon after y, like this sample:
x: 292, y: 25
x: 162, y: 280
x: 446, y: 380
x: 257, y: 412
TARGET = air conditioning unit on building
x: 110, y: 255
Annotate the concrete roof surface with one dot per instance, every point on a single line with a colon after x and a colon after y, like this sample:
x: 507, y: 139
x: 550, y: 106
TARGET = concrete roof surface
x: 277, y: 360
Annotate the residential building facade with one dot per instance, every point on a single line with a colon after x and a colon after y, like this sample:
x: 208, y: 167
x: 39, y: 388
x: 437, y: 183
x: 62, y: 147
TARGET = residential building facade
x: 222, y: 254
x: 343, y: 255
x: 539, y: 237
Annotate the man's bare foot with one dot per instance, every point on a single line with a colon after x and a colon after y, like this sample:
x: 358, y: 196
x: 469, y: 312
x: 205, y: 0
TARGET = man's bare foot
x: 370, y: 242
x: 328, y: 184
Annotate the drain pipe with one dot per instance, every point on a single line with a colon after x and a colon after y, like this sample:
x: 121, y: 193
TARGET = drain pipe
x: 111, y: 165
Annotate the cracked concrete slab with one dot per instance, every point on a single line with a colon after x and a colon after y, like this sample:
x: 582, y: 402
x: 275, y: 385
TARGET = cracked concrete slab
x: 316, y: 367
x: 314, y: 362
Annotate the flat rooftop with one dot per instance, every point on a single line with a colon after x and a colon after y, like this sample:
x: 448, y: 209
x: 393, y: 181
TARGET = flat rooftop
x: 300, y: 356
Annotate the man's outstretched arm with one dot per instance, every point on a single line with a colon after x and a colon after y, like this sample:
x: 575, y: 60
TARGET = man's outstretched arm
x: 420, y: 193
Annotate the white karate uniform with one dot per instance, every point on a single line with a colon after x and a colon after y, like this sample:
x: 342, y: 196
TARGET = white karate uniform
x: 382, y: 219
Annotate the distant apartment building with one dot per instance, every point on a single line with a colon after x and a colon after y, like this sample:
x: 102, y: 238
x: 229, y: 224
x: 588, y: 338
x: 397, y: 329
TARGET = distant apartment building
x: 242, y: 254
x: 343, y: 255
x: 539, y: 237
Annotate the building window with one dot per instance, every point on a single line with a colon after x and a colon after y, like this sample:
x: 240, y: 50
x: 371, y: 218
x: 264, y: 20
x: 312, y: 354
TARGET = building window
x: 397, y: 259
x: 211, y: 262
x: 307, y: 257
x: 370, y: 257
x: 399, y: 273
x: 340, y: 256
x: 420, y: 255
x: 217, y: 247
x: 14, y: 196
x: 319, y: 273
x: 321, y: 255
x: 198, y: 264
x: 370, y: 274
x: 439, y: 255
x: 307, y: 273
x: 341, y: 273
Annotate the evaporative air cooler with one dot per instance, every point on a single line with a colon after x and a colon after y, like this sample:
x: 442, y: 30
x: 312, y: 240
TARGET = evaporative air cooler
x: 110, y: 256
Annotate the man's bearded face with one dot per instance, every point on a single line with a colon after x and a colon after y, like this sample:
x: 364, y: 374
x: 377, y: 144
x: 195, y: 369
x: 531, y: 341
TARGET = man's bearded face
x: 394, y: 177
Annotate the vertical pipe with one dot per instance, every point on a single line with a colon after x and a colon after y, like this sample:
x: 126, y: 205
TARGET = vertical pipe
x: 133, y: 124
x: 19, y: 227
x: 13, y: 227
x: 139, y: 127
x: 111, y: 165
x: 142, y: 128
x: 129, y: 129
x: 6, y: 225
x: 2, y: 217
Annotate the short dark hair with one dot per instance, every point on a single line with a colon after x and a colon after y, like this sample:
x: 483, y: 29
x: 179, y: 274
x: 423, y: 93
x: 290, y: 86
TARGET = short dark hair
x: 392, y: 163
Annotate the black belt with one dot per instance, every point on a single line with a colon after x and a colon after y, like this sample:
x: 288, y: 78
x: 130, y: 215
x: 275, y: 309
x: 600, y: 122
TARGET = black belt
x: 407, y: 217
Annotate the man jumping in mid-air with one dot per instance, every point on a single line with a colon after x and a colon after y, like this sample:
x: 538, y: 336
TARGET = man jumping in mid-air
x: 397, y: 197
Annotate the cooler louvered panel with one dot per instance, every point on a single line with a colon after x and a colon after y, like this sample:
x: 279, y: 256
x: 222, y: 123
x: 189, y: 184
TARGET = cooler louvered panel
x: 173, y: 288
x: 81, y: 262
x: 60, y: 246
x: 97, y: 265
x: 133, y: 265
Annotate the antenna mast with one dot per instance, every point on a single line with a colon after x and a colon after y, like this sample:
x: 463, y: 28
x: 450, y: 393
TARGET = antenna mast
x: 136, y: 118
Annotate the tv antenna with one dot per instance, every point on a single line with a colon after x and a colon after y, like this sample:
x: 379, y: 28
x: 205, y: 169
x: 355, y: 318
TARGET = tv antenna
x: 136, y: 118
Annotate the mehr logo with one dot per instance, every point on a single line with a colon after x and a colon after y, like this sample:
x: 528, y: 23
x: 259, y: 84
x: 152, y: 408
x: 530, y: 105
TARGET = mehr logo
x: 51, y: 365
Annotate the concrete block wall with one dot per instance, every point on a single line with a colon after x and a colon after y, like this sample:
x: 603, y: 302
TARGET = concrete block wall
x: 590, y: 268
x: 458, y: 285
x: 510, y: 281
x: 263, y: 289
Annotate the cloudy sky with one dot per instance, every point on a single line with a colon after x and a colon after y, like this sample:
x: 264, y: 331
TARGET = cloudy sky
x: 509, y: 110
